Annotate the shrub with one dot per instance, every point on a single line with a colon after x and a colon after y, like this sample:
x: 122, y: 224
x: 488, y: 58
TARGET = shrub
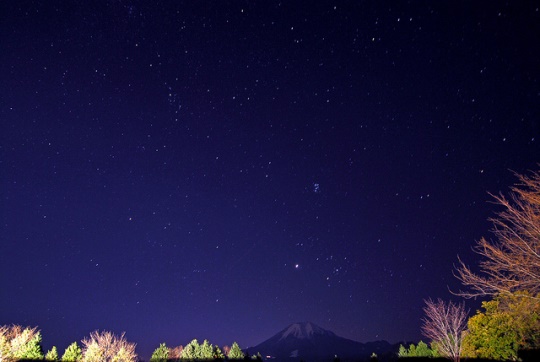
x: 161, y: 354
x: 72, y: 354
x: 107, y: 347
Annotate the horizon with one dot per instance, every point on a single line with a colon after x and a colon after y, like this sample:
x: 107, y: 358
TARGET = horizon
x: 217, y: 170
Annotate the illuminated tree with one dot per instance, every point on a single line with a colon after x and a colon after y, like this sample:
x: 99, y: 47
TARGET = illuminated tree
x: 206, y: 350
x: 17, y: 342
x: 235, y: 352
x: 512, y: 262
x: 72, y: 354
x: 421, y: 350
x: 444, y: 325
x: 217, y: 353
x: 192, y: 350
x: 176, y: 352
x: 107, y: 347
x: 52, y: 355
x: 508, y: 323
x: 161, y: 354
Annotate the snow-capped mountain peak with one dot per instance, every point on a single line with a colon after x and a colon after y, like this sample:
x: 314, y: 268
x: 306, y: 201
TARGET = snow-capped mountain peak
x: 304, y: 330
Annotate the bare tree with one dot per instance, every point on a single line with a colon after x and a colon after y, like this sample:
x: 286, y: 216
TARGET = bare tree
x: 444, y: 325
x: 176, y: 352
x: 512, y: 262
x: 107, y: 347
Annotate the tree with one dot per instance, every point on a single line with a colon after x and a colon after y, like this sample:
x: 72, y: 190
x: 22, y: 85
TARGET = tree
x: 176, y: 352
x: 421, y: 350
x: 508, y: 323
x: 72, y: 354
x: 206, y: 350
x: 217, y: 353
x: 512, y: 262
x: 235, y: 352
x: 107, y: 347
x: 192, y: 350
x: 52, y: 355
x: 24, y: 343
x: 444, y: 325
x: 18, y: 342
x: 161, y: 354
x: 402, y: 351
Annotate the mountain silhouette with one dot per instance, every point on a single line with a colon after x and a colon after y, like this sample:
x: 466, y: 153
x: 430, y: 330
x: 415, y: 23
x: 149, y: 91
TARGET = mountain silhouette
x: 309, y: 342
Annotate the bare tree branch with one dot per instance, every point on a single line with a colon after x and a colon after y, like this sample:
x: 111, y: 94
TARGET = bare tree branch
x: 511, y: 263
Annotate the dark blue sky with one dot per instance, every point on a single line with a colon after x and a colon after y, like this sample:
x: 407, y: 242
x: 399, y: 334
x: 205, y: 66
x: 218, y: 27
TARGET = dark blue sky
x: 218, y: 170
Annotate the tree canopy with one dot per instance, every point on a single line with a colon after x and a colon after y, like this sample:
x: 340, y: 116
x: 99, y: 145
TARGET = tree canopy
x: 507, y: 324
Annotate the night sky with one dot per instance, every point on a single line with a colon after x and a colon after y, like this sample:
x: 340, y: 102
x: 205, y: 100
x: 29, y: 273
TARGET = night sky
x: 221, y: 169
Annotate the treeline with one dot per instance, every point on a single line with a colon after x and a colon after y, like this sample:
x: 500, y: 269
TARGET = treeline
x: 194, y: 351
x: 19, y: 343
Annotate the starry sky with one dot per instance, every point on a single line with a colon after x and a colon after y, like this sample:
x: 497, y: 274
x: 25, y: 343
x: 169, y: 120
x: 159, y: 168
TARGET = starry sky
x: 221, y: 169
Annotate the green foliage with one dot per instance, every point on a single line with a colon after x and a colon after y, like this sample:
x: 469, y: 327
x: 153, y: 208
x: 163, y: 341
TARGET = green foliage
x: 93, y: 353
x: 435, y: 350
x: 30, y: 349
x: 420, y: 350
x: 218, y: 354
x: 423, y: 350
x: 235, y: 352
x: 206, y: 350
x: 122, y: 355
x: 161, y: 354
x: 52, y: 355
x: 192, y: 350
x: 72, y: 354
x: 508, y: 323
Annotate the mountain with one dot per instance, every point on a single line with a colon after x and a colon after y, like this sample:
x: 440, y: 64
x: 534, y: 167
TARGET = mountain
x: 310, y: 342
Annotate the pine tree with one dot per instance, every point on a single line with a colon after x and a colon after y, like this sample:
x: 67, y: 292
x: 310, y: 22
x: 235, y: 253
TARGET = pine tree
x: 192, y: 350
x: 422, y: 350
x: 161, y: 354
x: 52, y: 355
x: 235, y: 352
x: 402, y: 351
x: 72, y: 354
x: 32, y: 349
x: 207, y: 350
x: 218, y: 354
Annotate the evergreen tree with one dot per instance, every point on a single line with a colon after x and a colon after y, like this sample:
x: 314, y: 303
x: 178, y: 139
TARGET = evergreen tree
x: 422, y: 350
x: 72, y: 354
x: 235, y: 352
x: 192, y: 350
x: 206, y: 350
x: 161, y: 354
x: 402, y: 351
x: 218, y: 354
x: 32, y: 349
x: 412, y: 351
x: 52, y: 355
